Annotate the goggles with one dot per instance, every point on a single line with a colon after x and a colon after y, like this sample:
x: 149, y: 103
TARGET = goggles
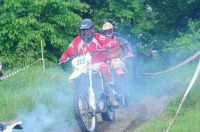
x: 85, y: 32
x: 107, y: 32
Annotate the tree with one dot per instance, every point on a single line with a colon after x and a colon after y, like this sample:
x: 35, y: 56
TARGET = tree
x: 172, y: 17
x: 128, y: 17
x: 25, y: 22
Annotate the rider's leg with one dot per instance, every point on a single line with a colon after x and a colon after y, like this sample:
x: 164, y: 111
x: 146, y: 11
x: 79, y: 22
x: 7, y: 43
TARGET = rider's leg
x: 104, y: 69
x: 107, y: 77
x: 110, y: 93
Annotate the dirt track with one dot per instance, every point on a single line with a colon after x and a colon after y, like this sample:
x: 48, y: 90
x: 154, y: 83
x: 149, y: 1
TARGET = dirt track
x: 128, y: 119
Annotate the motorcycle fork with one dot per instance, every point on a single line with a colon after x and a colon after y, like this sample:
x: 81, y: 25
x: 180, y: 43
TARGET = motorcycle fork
x: 91, y: 92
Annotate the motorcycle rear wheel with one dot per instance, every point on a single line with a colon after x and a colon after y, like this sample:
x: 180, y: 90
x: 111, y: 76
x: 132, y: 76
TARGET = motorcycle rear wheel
x: 122, y: 90
x: 85, y: 115
x: 109, y: 115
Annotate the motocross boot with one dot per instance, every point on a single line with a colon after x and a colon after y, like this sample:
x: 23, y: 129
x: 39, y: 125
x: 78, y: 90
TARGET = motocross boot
x: 111, y: 98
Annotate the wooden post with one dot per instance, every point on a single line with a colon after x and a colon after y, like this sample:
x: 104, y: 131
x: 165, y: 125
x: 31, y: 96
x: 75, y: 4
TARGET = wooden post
x: 42, y: 55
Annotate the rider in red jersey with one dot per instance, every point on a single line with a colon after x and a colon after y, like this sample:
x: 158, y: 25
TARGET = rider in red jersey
x: 89, y: 41
x: 124, y: 45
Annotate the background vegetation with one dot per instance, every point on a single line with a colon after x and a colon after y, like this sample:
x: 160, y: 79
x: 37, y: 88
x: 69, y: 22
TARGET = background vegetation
x: 41, y: 99
x: 153, y: 24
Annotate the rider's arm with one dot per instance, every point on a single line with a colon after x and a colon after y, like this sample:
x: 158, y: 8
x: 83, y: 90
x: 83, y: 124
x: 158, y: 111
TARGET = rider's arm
x: 106, y: 41
x: 125, y: 43
x: 72, y: 49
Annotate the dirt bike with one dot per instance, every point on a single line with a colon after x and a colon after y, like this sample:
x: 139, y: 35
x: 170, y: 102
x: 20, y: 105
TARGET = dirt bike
x: 89, y: 95
x: 119, y: 72
x: 9, y: 126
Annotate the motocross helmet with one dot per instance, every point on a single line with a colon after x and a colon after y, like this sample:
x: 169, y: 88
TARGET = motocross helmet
x: 108, y: 29
x: 86, y: 30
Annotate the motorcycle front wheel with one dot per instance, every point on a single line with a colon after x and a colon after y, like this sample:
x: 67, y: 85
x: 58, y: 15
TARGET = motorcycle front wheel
x: 85, y: 115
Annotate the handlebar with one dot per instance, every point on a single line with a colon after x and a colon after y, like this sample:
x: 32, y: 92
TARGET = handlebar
x: 99, y: 50
x: 69, y: 58
x: 66, y: 60
x: 128, y: 56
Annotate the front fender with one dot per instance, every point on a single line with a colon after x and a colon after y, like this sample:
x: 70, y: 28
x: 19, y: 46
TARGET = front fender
x: 77, y: 73
x: 119, y: 71
x: 74, y: 77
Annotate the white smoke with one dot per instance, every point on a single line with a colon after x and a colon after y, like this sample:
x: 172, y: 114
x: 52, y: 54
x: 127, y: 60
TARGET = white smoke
x: 55, y: 115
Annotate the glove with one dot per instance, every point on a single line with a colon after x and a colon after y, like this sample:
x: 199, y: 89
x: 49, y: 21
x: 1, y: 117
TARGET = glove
x: 130, y: 54
x: 62, y: 60
x: 107, y: 46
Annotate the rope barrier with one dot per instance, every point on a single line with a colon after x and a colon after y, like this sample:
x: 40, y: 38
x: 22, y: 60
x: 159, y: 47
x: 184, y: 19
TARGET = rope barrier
x: 179, y: 65
x: 189, y: 87
x: 12, y: 74
x: 185, y: 95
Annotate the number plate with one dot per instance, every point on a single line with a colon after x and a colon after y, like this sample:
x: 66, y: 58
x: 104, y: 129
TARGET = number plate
x: 81, y: 62
x: 116, y: 61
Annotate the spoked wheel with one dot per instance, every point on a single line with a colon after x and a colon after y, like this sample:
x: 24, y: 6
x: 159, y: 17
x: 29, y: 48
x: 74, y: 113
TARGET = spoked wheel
x: 124, y: 101
x: 85, y: 115
x: 109, y: 115
x: 122, y: 91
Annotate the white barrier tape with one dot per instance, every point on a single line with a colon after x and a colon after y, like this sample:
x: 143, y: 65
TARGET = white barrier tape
x: 53, y: 76
x: 185, y: 95
x: 12, y: 74
x: 179, y: 65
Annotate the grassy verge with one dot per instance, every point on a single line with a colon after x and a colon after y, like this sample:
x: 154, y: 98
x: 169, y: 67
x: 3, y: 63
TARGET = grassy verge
x: 45, y: 97
x: 189, y: 116
x: 37, y: 95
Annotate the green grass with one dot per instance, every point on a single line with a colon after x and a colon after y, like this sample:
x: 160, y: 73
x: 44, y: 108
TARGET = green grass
x: 187, y: 120
x: 189, y: 117
x: 24, y: 91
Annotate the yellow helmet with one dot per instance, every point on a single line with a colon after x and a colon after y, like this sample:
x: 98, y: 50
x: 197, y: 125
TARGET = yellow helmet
x: 108, y: 29
x: 107, y: 26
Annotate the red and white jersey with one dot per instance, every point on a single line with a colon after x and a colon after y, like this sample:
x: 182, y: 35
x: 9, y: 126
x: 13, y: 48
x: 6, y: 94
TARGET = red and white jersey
x: 78, y: 46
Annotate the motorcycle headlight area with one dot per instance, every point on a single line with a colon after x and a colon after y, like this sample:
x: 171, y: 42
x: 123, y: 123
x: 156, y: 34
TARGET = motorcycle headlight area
x: 117, y: 63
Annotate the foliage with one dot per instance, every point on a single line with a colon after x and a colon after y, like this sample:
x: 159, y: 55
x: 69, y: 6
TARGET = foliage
x: 126, y: 15
x: 155, y: 21
x: 25, y: 23
x: 24, y: 93
x: 172, y: 18
x: 184, y: 46
x: 149, y: 22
